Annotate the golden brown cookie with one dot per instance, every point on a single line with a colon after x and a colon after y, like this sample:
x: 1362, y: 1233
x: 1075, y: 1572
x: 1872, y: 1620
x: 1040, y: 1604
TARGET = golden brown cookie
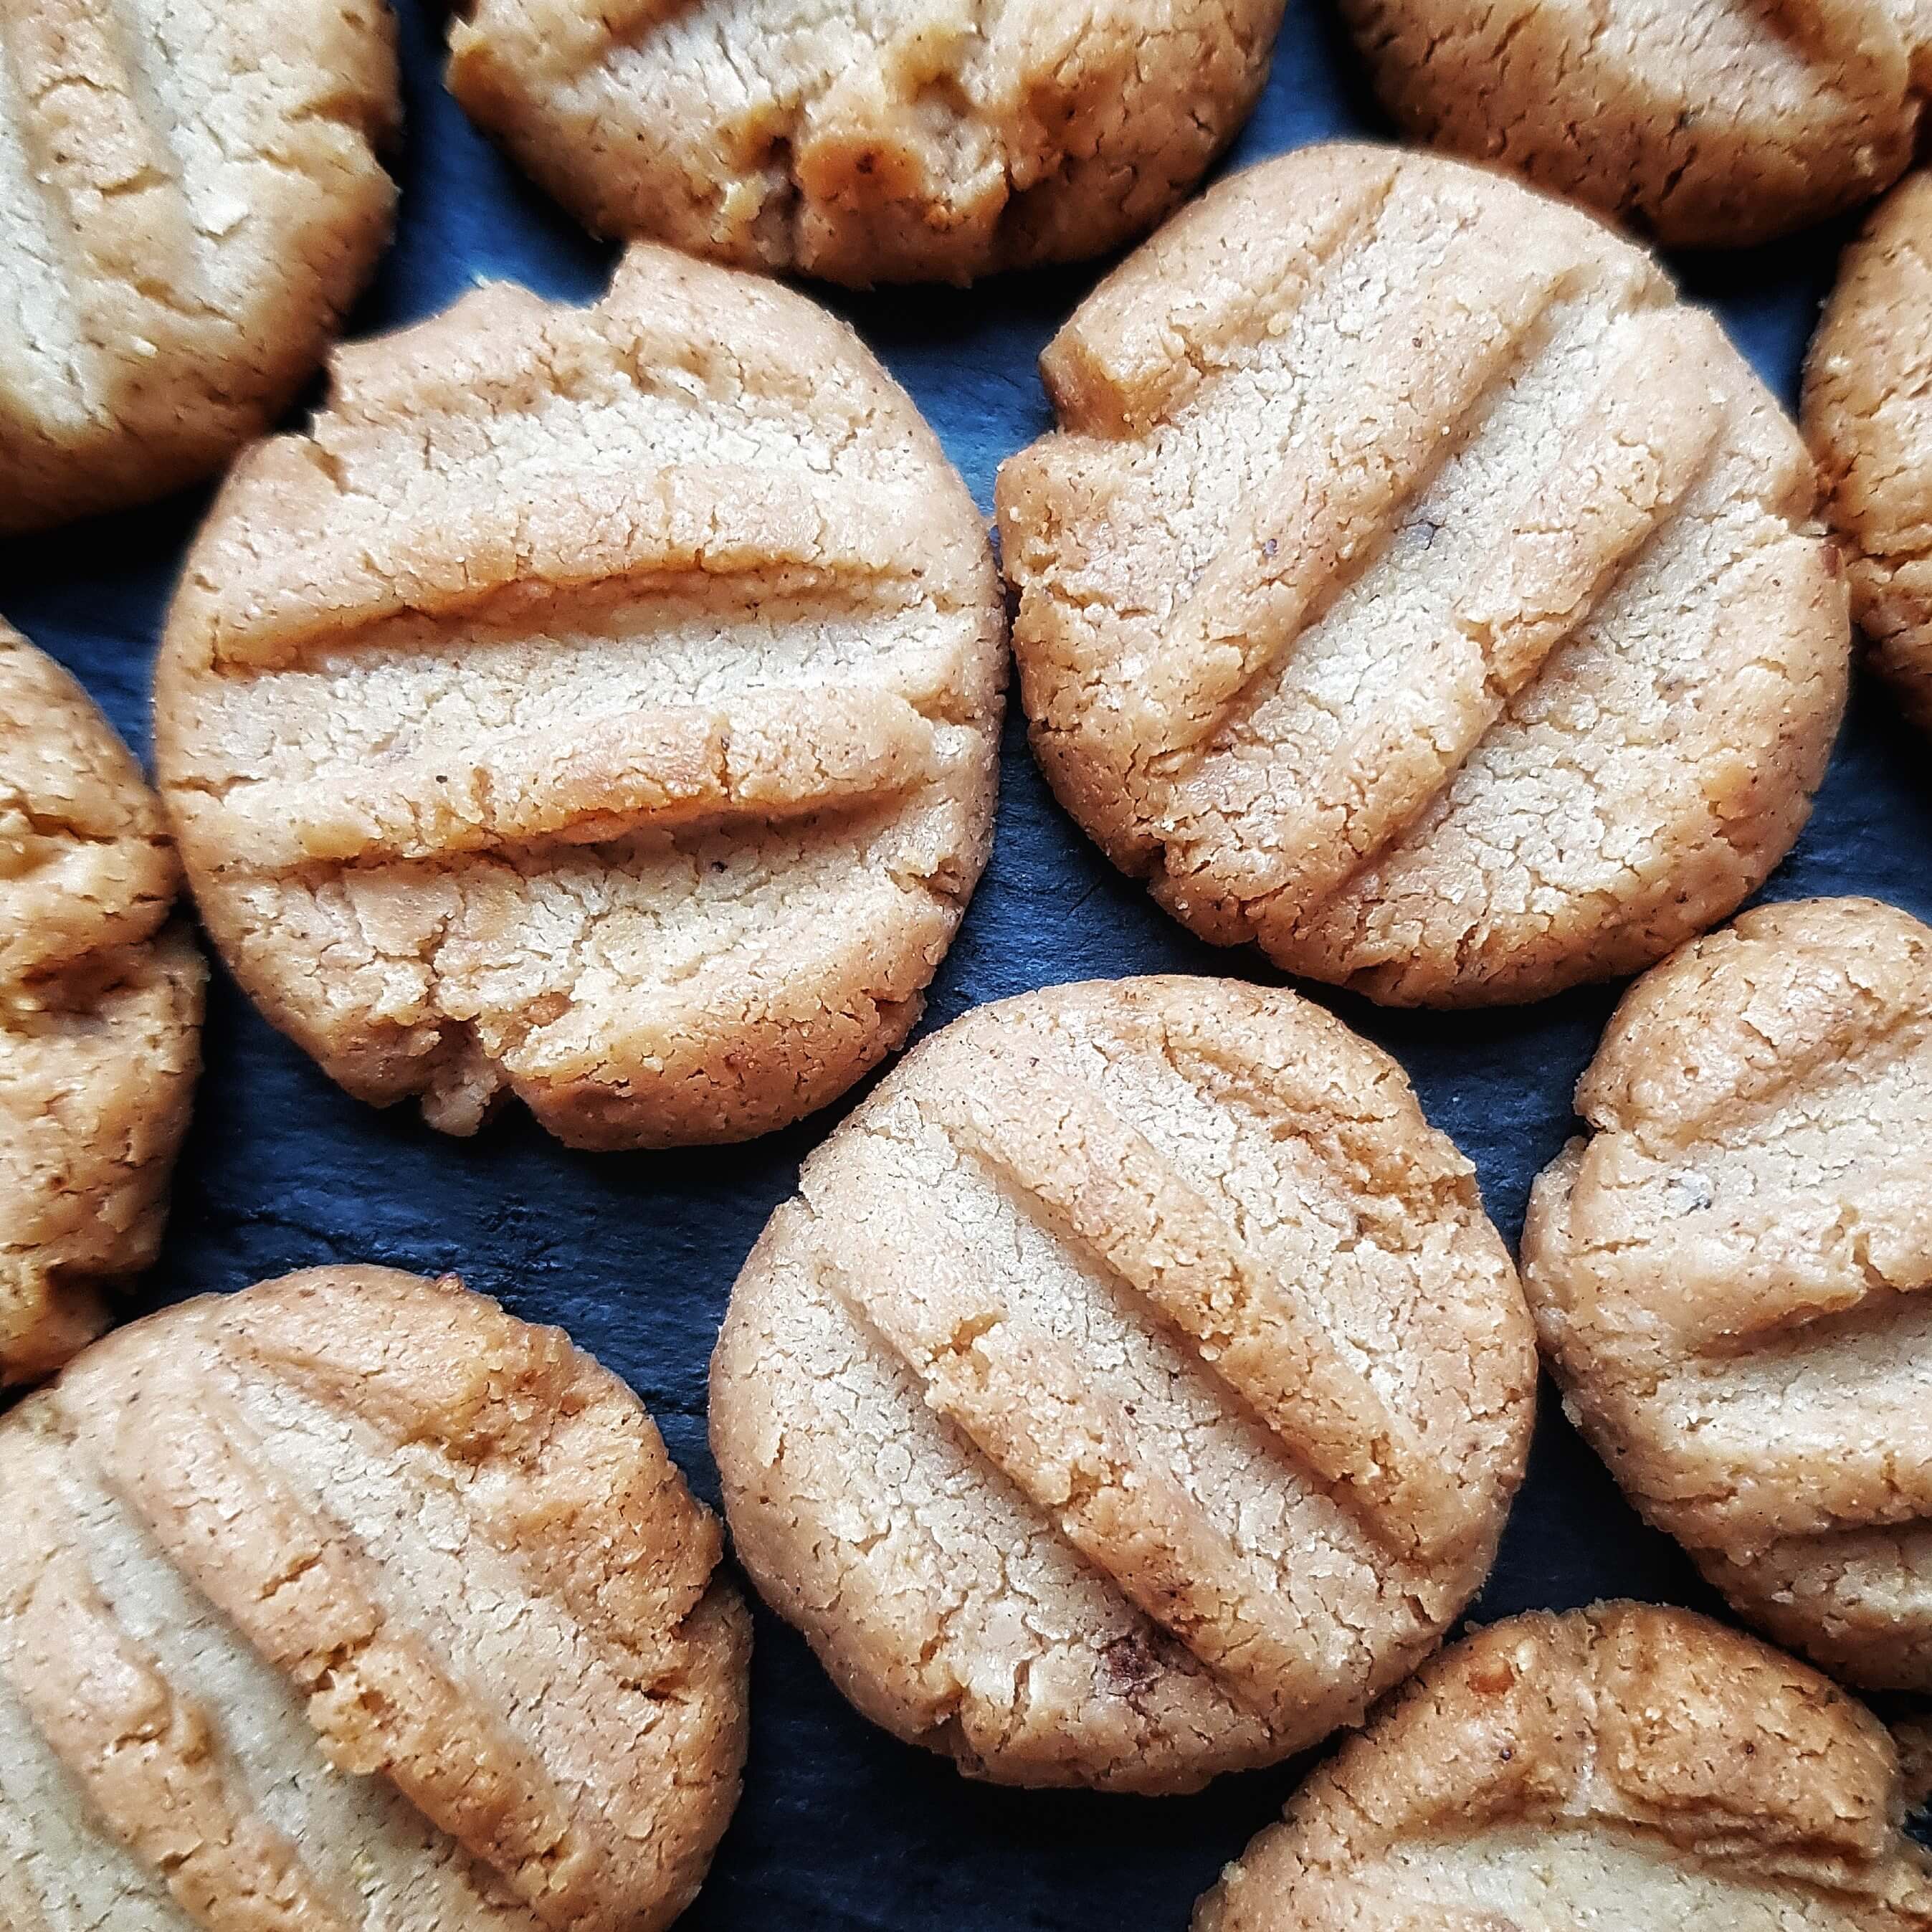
x: 1135, y: 1389
x: 1626, y: 1768
x: 350, y: 1602
x: 600, y: 704
x: 936, y: 141
x: 1706, y: 123
x: 1415, y: 586
x: 99, y: 1015
x: 1727, y: 1273
x: 1868, y: 418
x: 190, y: 198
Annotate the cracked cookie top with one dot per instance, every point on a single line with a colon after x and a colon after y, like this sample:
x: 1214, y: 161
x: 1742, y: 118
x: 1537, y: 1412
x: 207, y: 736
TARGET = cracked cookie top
x: 350, y: 1602
x: 1705, y: 123
x: 601, y: 704
x: 1415, y: 586
x: 883, y: 141
x: 1728, y: 1272
x: 1134, y: 1389
x: 100, y: 1014
x: 1625, y: 1767
x: 1868, y: 418
x: 190, y: 198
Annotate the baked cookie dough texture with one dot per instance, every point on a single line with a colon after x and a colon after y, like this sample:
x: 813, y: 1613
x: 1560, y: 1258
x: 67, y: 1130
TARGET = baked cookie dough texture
x: 190, y: 198
x: 1868, y: 418
x: 100, y: 1003
x: 1704, y: 123
x: 1134, y: 1389
x: 350, y: 1604
x: 598, y: 704
x: 1729, y: 1273
x: 879, y: 142
x: 1624, y: 1768
x: 1416, y: 587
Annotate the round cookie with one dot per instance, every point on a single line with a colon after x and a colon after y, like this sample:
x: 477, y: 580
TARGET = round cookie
x: 99, y: 1015
x: 1134, y: 1389
x: 1624, y: 1768
x: 1416, y: 587
x: 350, y: 1602
x: 190, y: 198
x: 1726, y: 1272
x: 601, y: 704
x: 936, y: 141
x: 1709, y: 124
x: 1868, y: 418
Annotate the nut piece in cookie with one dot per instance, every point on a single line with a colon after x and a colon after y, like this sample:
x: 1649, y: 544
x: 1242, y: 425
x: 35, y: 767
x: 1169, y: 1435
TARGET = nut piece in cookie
x: 597, y: 704
x: 923, y: 140
x: 1416, y: 587
x: 1729, y: 1272
x: 1868, y: 418
x: 190, y: 200
x: 1627, y: 1768
x: 100, y: 1002
x: 1134, y: 1391
x: 1708, y: 124
x: 351, y: 1600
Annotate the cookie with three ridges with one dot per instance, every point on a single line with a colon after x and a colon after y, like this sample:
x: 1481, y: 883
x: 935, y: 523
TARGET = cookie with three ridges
x: 350, y: 1603
x: 1728, y: 1273
x: 1416, y: 587
x: 934, y: 142
x: 1868, y: 418
x: 100, y: 1002
x: 1624, y: 1767
x: 600, y: 704
x: 1134, y: 1389
x: 1706, y: 123
x: 190, y: 198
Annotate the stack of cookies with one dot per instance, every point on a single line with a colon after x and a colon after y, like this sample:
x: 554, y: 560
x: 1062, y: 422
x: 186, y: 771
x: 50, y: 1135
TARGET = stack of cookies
x: 596, y: 710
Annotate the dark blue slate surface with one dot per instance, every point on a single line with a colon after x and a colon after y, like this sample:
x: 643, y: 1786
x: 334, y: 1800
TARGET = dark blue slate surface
x: 842, y: 1827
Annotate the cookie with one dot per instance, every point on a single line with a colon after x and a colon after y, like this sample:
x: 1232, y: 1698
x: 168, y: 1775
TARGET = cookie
x: 1708, y: 124
x: 1868, y: 418
x: 190, y: 198
x: 936, y: 141
x: 1626, y: 1767
x: 1414, y: 586
x: 598, y: 704
x: 1133, y: 1391
x: 350, y: 1602
x: 1725, y: 1273
x: 100, y: 1003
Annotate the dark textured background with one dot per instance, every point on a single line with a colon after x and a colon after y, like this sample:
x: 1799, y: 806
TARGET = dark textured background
x: 841, y: 1827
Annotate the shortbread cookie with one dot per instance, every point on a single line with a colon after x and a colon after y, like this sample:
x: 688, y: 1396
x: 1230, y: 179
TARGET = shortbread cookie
x: 1727, y: 1274
x: 190, y: 198
x: 1868, y: 416
x: 887, y: 142
x: 599, y: 704
x: 1416, y: 587
x: 1626, y: 1768
x: 350, y: 1603
x: 1710, y: 124
x: 99, y: 1015
x: 1134, y: 1391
